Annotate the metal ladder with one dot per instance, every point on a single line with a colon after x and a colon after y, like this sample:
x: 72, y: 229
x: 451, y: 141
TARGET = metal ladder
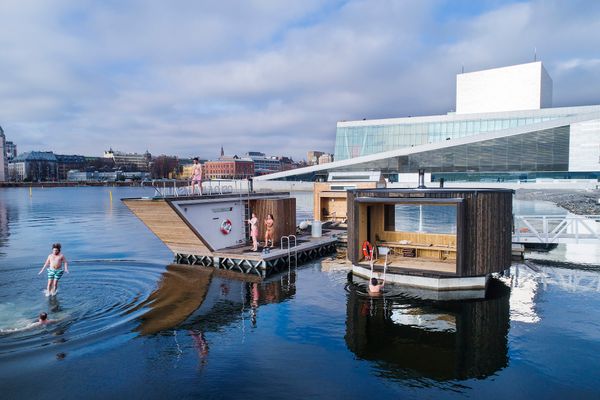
x: 289, y: 247
x: 246, y: 216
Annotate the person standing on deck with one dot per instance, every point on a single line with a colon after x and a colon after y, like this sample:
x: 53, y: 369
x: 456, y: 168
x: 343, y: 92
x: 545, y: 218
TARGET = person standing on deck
x: 54, y: 262
x: 270, y: 230
x: 254, y: 231
x: 197, y: 176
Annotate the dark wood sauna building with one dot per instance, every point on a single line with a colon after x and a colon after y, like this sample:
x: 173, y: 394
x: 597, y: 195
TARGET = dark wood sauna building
x: 465, y: 237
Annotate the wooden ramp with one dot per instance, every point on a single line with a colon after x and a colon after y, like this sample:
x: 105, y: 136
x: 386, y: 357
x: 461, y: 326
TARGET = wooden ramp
x: 164, y: 222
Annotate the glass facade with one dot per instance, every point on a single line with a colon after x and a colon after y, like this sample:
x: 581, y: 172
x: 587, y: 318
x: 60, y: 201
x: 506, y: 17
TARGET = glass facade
x: 531, y: 155
x: 545, y: 150
x: 355, y: 141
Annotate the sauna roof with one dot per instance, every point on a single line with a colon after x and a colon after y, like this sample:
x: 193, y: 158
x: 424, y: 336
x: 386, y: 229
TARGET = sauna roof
x: 430, y: 190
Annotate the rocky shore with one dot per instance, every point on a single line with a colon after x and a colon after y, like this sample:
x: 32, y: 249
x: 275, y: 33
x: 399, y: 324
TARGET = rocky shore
x: 580, y: 202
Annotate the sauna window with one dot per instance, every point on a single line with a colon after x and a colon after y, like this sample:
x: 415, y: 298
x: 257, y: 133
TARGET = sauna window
x: 420, y: 218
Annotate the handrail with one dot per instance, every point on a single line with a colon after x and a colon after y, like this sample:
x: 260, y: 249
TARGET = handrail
x: 289, y: 252
x: 178, y: 187
x: 553, y: 229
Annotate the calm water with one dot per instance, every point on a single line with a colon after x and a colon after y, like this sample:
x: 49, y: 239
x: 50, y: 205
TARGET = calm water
x: 129, y: 325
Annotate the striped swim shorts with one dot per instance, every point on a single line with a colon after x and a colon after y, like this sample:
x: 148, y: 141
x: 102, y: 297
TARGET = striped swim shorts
x: 55, y: 273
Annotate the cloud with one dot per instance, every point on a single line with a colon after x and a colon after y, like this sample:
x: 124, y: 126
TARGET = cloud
x: 186, y: 77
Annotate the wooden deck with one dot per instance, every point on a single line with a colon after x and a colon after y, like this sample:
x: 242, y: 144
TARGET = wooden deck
x: 305, y: 242
x: 400, y: 264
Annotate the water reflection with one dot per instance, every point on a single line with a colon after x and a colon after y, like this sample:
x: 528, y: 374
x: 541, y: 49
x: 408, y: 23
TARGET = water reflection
x: 411, y: 339
x: 200, y: 299
x: 6, y: 215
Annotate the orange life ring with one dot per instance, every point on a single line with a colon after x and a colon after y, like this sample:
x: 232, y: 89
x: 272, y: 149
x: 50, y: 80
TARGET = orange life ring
x: 367, y: 250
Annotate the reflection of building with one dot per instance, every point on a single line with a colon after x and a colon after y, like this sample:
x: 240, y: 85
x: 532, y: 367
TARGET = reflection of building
x: 3, y: 223
x: 129, y: 160
x: 441, y: 341
x: 229, y: 168
x: 3, y: 157
x: 500, y: 131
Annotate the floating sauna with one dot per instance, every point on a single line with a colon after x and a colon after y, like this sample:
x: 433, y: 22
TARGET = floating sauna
x: 211, y: 230
x: 463, y: 258
x: 330, y: 197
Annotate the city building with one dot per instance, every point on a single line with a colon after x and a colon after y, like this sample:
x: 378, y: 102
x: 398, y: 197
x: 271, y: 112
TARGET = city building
x: 287, y: 163
x: 11, y: 150
x: 325, y: 158
x: 502, y: 131
x: 66, y: 163
x: 34, y: 166
x: 312, y: 157
x: 263, y: 164
x: 3, y: 157
x: 129, y: 161
x: 228, y: 168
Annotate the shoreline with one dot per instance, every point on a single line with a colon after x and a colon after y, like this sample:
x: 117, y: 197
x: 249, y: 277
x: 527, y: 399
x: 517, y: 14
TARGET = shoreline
x: 580, y: 202
x: 65, y: 184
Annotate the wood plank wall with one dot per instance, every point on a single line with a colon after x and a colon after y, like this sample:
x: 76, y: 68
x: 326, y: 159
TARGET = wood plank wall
x: 284, y: 214
x: 164, y: 222
x: 323, y: 195
x: 487, y: 225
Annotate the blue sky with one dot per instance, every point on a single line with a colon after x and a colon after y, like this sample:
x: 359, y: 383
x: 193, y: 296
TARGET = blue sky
x: 185, y: 77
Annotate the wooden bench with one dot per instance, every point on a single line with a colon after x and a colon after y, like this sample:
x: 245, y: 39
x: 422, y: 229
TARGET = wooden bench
x: 443, y: 251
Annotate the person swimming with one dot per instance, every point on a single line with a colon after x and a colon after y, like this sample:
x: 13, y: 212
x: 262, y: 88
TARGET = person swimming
x: 43, y: 319
x: 375, y: 287
x: 55, y: 262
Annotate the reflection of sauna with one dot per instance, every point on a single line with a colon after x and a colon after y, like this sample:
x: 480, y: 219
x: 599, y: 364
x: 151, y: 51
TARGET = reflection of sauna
x: 444, y: 341
x: 476, y: 243
x: 188, y: 297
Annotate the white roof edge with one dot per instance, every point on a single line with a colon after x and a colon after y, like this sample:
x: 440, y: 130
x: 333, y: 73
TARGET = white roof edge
x: 555, y: 123
x: 475, y: 116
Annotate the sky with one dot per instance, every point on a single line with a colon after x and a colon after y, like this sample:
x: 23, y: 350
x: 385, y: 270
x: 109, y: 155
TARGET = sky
x: 185, y: 77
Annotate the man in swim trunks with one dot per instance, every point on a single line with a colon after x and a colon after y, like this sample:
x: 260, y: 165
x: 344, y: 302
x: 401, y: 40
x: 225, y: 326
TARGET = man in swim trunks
x: 54, y: 262
x: 197, y: 176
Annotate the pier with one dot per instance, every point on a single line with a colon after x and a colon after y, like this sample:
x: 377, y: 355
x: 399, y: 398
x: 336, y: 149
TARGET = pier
x: 212, y: 230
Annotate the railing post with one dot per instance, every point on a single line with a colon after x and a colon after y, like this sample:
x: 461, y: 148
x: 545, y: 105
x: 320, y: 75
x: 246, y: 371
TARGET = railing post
x: 545, y: 227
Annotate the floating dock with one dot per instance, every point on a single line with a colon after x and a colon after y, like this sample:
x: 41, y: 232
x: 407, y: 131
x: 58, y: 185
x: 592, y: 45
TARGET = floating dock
x: 212, y: 230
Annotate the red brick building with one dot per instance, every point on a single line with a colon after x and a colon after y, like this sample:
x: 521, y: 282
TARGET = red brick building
x: 228, y: 168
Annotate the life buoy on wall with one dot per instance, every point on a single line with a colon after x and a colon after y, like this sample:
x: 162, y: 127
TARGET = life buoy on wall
x: 226, y: 227
x: 367, y: 250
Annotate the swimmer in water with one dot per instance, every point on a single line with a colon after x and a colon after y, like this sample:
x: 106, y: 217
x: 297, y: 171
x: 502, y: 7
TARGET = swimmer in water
x: 43, y: 319
x: 54, y: 262
x: 375, y: 287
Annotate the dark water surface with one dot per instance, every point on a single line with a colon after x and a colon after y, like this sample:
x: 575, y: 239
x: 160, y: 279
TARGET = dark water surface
x: 130, y: 325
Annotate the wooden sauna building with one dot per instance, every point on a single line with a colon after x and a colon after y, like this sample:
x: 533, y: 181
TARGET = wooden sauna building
x: 329, y: 198
x: 212, y: 230
x: 442, y: 239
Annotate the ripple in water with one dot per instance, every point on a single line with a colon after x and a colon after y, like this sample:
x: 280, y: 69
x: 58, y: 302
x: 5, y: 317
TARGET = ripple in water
x: 95, y: 305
